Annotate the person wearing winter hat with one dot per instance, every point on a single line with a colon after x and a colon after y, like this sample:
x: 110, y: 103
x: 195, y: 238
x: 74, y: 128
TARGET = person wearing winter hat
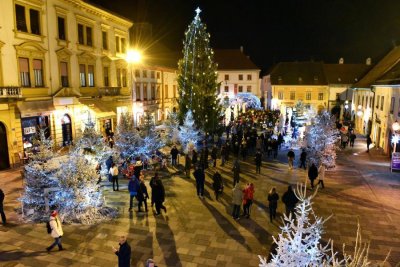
x: 56, y: 231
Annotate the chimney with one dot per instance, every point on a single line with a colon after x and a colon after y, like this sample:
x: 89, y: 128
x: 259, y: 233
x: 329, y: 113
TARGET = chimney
x: 341, y: 60
x: 241, y: 48
x: 368, y: 61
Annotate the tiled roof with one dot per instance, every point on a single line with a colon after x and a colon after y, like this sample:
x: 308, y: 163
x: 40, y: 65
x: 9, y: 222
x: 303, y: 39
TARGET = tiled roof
x: 298, y: 73
x: 345, y: 73
x: 381, y: 70
x: 233, y: 59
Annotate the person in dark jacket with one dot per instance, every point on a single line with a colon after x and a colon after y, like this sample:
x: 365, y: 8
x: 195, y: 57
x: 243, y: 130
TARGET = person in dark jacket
x: 217, y: 184
x: 236, y: 171
x: 312, y: 174
x: 258, y: 160
x: 194, y: 158
x: 123, y: 253
x: 3, y: 215
x: 290, y: 156
x: 303, y: 159
x: 142, y: 196
x: 214, y: 154
x: 273, y: 198
x: 109, y: 163
x: 133, y: 188
x: 290, y: 200
x: 188, y: 165
x: 174, y: 155
x: 200, y: 179
x: 157, y: 194
x: 223, y: 154
x: 369, y: 142
x: 352, y: 139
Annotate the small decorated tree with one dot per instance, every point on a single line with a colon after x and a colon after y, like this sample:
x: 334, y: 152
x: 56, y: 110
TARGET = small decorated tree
x: 187, y: 132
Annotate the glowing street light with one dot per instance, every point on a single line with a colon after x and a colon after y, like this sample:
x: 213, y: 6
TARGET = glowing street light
x: 133, y: 56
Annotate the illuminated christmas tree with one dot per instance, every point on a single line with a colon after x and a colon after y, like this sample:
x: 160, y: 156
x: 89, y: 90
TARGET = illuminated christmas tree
x: 197, y: 78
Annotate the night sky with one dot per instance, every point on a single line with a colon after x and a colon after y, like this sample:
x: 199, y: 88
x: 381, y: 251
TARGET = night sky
x: 279, y: 30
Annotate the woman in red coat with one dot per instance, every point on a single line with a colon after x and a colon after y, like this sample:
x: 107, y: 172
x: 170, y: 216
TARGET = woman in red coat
x: 248, y: 195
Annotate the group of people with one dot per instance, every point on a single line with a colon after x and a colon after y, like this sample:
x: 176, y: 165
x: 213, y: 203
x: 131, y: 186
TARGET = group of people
x: 243, y: 197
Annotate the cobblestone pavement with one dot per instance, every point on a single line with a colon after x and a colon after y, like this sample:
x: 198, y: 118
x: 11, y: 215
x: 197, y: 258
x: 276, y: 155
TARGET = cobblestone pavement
x: 198, y: 232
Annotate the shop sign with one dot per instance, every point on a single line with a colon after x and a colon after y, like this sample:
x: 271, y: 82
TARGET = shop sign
x: 29, y: 130
x: 395, y: 163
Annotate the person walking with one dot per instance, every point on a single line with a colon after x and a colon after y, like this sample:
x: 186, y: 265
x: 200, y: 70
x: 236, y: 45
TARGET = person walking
x: 200, y: 179
x: 174, y: 155
x: 123, y: 252
x: 194, y: 158
x: 142, y: 195
x: 303, y: 159
x: 133, y: 188
x: 3, y: 215
x: 158, y: 194
x: 223, y: 154
x: 188, y: 165
x: 237, y: 197
x: 114, y: 175
x: 290, y: 156
x: 56, y: 231
x: 290, y: 200
x: 369, y: 142
x: 273, y: 198
x: 109, y: 163
x: 345, y: 140
x: 321, y: 175
x: 214, y: 155
x: 258, y: 160
x: 312, y: 174
x: 248, y: 195
x: 236, y: 172
x: 352, y: 139
x: 217, y: 184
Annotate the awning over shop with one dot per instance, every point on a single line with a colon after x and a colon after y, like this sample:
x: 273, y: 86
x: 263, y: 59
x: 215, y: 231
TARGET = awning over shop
x: 101, y: 109
x: 35, y: 108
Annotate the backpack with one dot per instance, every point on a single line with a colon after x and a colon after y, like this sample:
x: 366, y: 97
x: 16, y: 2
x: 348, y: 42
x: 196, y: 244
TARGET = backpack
x: 48, y: 227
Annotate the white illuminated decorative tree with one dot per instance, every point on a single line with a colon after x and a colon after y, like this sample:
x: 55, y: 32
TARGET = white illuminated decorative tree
x: 188, y: 134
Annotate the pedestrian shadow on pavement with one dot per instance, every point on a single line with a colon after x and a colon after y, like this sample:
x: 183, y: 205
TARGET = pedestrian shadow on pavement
x: 16, y: 255
x: 166, y: 241
x: 227, y: 226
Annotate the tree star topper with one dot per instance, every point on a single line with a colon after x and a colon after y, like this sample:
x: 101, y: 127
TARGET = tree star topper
x: 198, y: 10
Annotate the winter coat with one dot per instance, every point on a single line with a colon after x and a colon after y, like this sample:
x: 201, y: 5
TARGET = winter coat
x: 109, y: 163
x: 290, y: 154
x: 236, y: 169
x: 273, y: 200
x: 217, y: 182
x: 289, y: 198
x: 369, y: 141
x: 258, y: 158
x: 194, y: 157
x: 174, y: 153
x: 237, y: 195
x: 214, y: 153
x: 158, y: 191
x: 258, y: 143
x: 303, y: 156
x: 133, y: 186
x: 248, y: 193
x: 114, y: 171
x: 124, y: 255
x: 321, y: 172
x: 312, y: 172
x: 142, y: 192
x: 199, y: 176
x: 56, y: 227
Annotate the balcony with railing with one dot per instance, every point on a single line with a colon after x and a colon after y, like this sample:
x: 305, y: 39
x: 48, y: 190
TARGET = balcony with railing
x: 10, y: 92
x: 109, y: 91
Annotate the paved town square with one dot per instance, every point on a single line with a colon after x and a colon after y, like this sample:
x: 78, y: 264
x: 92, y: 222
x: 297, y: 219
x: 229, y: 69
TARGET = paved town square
x: 196, y: 232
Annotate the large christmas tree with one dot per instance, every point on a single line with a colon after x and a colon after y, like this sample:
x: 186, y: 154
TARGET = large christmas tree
x: 197, y: 78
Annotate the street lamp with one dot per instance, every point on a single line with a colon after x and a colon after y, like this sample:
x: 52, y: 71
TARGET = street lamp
x: 133, y: 57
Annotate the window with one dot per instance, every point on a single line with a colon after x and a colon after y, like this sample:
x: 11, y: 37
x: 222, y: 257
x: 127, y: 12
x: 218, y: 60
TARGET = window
x: 82, y: 75
x: 292, y: 95
x: 153, y: 91
x: 106, y: 80
x: 104, y: 39
x: 89, y: 36
x: 117, y: 44
x: 138, y: 94
x: 226, y: 89
x: 366, y: 101
x: 152, y: 74
x: 158, y: 75
x: 392, y: 105
x: 145, y: 91
x: 280, y: 95
x: 226, y: 77
x: 166, y: 91
x: 137, y: 73
x: 38, y: 72
x: 119, y: 77
x: 20, y: 17
x: 362, y: 102
x: 123, y: 45
x: 248, y: 88
x: 64, y: 74
x: 240, y: 89
x: 174, y: 90
x: 24, y: 72
x: 61, y: 28
x: 249, y: 77
x: 240, y: 77
x: 320, y: 96
x: 308, y: 95
x: 377, y: 101
x: 158, y: 92
x: 370, y: 102
x: 144, y: 73
x: 35, y: 21
x: 124, y: 82
x: 382, y: 98
x: 90, y: 75
x: 80, y: 34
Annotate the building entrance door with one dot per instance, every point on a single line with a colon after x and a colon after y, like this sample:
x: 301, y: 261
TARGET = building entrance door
x: 4, y: 160
x: 378, y: 138
x: 66, y: 130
